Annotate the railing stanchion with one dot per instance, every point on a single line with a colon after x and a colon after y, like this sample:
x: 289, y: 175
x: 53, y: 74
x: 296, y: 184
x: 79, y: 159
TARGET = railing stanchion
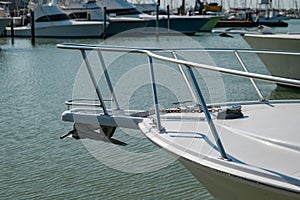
x: 108, y: 81
x: 154, y: 91
x: 251, y: 79
x: 186, y: 80
x: 95, y: 84
x: 207, y: 115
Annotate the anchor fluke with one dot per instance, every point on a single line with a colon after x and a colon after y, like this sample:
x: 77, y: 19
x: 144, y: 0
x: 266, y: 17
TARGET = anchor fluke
x: 73, y: 133
x: 89, y: 131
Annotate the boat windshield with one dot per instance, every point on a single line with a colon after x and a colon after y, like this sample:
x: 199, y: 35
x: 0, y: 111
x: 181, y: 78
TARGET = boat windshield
x: 79, y: 15
x: 129, y: 11
x: 49, y: 18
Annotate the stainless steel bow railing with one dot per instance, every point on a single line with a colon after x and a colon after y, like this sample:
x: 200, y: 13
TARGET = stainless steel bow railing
x: 152, y: 53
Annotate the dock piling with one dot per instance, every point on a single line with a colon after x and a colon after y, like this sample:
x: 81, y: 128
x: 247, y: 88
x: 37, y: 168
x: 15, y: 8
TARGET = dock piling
x: 168, y: 12
x: 105, y: 21
x: 157, y: 16
x: 32, y: 28
x: 12, y: 32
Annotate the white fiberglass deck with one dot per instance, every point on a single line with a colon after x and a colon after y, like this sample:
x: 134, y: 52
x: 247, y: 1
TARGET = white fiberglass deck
x: 260, y: 144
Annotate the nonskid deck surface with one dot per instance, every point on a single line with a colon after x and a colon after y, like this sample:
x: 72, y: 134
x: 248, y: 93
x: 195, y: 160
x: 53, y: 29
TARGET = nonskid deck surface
x: 265, y: 140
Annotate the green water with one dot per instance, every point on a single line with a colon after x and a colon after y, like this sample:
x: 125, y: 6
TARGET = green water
x: 35, y: 164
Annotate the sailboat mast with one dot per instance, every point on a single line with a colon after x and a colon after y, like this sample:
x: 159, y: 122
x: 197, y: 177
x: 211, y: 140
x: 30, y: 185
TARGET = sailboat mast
x: 234, y: 4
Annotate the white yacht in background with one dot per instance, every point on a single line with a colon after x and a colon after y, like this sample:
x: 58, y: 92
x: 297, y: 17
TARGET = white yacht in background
x: 90, y: 11
x: 5, y: 18
x: 50, y: 21
x: 283, y: 65
x: 237, y: 150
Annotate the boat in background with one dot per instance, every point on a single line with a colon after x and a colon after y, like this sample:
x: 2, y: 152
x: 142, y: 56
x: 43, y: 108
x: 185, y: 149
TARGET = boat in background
x: 246, y: 19
x: 237, y: 150
x: 150, y: 9
x: 90, y: 11
x: 5, y: 18
x: 278, y: 64
x: 50, y: 21
x: 271, y: 15
x: 185, y: 24
x: 188, y: 25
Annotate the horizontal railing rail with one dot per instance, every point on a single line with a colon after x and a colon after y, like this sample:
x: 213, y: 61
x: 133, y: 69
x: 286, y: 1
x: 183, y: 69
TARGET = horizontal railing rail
x: 150, y: 52
x: 141, y: 50
x: 85, y: 102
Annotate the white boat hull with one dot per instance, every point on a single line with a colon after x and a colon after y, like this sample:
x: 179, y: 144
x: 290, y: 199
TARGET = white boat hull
x: 61, y: 29
x: 286, y: 66
x: 227, y: 187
